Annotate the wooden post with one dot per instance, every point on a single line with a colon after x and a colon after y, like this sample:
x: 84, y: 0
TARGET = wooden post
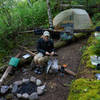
x: 29, y: 2
x: 8, y: 70
x: 70, y: 72
x: 70, y: 3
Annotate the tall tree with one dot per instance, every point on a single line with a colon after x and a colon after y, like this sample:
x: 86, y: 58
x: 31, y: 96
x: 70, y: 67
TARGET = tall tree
x: 70, y: 2
x: 29, y: 2
x: 61, y: 2
x: 49, y: 14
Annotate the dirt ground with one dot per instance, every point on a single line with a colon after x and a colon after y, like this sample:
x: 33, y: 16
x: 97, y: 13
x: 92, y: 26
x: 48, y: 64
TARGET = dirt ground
x: 58, y: 86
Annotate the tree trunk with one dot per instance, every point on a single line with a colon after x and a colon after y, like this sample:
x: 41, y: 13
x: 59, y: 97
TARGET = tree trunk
x: 70, y: 2
x: 49, y: 14
x: 87, y: 4
x: 29, y: 2
x: 61, y: 2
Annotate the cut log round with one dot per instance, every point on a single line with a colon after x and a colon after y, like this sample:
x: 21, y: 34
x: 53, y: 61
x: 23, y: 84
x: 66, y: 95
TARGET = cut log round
x: 70, y: 72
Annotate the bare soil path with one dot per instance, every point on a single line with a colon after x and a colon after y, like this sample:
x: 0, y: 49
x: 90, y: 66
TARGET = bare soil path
x: 58, y: 86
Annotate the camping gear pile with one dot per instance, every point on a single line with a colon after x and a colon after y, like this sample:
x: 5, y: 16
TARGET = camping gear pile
x: 53, y: 65
x: 97, y: 33
x: 65, y: 36
x: 95, y: 59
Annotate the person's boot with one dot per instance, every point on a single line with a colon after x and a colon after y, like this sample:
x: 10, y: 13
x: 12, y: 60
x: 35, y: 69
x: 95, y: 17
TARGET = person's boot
x: 33, y: 65
x: 41, y: 69
x: 36, y: 70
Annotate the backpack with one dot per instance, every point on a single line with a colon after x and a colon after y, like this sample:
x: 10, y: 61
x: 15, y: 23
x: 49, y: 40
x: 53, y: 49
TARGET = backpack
x: 38, y: 31
x: 65, y: 36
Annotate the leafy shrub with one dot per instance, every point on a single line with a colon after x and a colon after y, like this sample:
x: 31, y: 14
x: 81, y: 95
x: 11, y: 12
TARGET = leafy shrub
x: 19, y: 16
x: 96, y: 19
x: 94, y: 49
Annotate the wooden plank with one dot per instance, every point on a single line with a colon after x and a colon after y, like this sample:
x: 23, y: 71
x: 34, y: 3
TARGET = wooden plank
x: 67, y: 70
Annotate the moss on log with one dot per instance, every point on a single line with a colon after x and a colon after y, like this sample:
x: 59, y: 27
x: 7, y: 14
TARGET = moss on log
x: 59, y: 44
x: 75, y: 38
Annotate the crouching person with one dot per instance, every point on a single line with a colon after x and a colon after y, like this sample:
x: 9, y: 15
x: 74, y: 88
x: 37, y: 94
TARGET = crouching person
x: 45, y: 48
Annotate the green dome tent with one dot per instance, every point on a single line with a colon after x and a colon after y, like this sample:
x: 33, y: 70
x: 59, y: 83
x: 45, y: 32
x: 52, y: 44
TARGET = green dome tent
x: 79, y: 19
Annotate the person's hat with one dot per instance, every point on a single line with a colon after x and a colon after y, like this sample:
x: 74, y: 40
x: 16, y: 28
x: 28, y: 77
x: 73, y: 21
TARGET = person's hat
x: 46, y: 33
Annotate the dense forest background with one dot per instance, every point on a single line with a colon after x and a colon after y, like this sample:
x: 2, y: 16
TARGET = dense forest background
x: 21, y: 15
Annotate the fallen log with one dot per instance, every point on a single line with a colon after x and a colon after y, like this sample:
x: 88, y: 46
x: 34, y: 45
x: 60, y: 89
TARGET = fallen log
x: 67, y: 70
x: 30, y: 52
x: 65, y: 6
x: 8, y: 70
x: 61, y: 43
x: 58, y: 31
x: 27, y: 50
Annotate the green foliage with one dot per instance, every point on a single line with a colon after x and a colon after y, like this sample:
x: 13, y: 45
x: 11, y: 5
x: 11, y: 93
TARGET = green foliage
x: 84, y: 2
x: 83, y: 48
x: 91, y: 2
x: 85, y: 89
x: 96, y: 19
x: 60, y: 44
x: 39, y: 10
x: 97, y: 1
x: 74, y: 3
x: 19, y: 16
x: 94, y: 49
x: 90, y: 50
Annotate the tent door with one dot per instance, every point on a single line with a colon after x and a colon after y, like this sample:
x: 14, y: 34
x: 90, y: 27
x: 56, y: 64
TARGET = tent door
x: 69, y: 27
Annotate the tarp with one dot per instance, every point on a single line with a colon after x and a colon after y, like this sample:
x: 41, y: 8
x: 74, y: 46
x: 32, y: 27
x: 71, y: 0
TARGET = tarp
x: 78, y: 17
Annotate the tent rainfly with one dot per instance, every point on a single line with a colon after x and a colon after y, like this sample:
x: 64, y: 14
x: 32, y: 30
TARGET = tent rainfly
x: 78, y: 17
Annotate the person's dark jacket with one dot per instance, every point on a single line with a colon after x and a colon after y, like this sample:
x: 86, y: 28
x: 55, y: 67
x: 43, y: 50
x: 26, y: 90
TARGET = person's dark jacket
x: 43, y: 46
